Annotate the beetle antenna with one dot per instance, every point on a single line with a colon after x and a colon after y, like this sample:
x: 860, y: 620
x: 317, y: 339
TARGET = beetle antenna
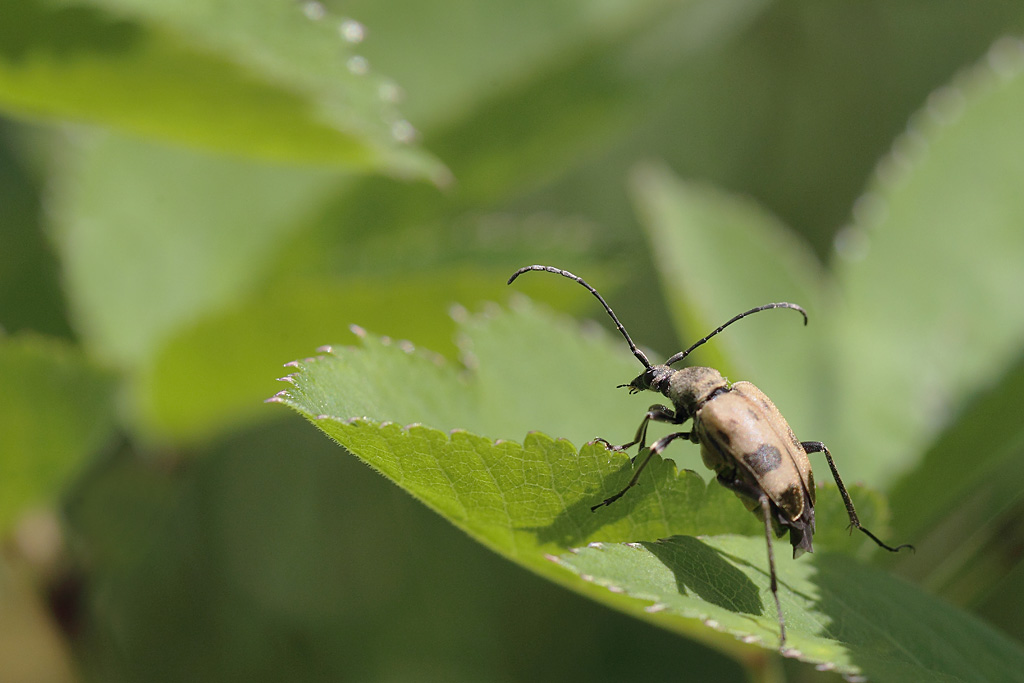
x: 683, y: 354
x: 565, y: 273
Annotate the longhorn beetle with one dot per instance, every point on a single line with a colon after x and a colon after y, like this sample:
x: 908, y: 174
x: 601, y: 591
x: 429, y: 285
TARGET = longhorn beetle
x: 743, y: 438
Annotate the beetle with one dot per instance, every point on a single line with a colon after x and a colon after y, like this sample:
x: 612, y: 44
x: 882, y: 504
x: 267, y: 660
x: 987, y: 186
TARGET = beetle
x: 743, y: 438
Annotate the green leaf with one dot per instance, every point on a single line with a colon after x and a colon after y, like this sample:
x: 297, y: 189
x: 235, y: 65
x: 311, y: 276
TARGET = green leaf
x: 56, y: 408
x: 931, y: 270
x: 262, y: 79
x: 30, y: 293
x: 509, y: 393
x: 531, y: 499
x: 151, y: 238
x: 845, y: 617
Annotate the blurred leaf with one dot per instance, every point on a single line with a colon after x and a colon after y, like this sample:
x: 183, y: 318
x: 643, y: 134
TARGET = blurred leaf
x: 521, y: 500
x: 472, y: 62
x: 961, y: 503
x: 151, y: 238
x: 237, y: 344
x: 56, y: 408
x: 718, y: 255
x: 799, y: 107
x: 852, y: 619
x: 1000, y: 600
x: 981, y: 446
x: 30, y: 296
x: 512, y: 117
x: 261, y: 80
x: 931, y: 270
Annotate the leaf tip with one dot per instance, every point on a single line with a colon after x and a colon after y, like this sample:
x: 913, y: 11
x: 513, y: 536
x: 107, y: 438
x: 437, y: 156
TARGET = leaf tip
x: 326, y: 348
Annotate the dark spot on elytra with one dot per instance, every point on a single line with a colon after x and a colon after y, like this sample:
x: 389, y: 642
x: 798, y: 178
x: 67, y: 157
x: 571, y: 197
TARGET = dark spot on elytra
x: 723, y: 438
x: 790, y: 500
x: 754, y: 417
x: 765, y: 459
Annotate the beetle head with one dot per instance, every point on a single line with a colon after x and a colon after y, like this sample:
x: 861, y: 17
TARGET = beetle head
x: 654, y: 378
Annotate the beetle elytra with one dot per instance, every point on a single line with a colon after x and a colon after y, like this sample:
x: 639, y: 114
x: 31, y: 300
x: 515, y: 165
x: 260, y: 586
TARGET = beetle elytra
x: 743, y: 438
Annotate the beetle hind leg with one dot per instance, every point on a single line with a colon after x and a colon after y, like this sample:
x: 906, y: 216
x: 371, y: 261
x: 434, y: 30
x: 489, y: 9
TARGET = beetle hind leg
x: 766, y: 511
x: 819, y: 447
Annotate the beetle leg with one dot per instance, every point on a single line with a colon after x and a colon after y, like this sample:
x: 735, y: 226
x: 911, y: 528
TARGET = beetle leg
x: 741, y: 486
x: 657, y: 447
x: 766, y: 512
x: 658, y: 413
x: 819, y: 447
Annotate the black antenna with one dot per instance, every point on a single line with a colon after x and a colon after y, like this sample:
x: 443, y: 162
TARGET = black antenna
x: 683, y: 354
x: 565, y: 273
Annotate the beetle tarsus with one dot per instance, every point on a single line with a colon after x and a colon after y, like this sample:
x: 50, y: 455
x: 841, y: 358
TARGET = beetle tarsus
x: 888, y: 547
x: 609, y: 501
x: 610, y: 446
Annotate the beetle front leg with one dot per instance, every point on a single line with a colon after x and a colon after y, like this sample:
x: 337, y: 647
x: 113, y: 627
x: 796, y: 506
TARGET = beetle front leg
x: 656, y: 448
x: 819, y: 447
x: 658, y: 413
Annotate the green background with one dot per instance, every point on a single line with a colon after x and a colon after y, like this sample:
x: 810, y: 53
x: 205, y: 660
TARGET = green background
x: 194, y: 193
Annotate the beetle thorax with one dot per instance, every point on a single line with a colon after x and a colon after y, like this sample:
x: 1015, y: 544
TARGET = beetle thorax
x: 690, y: 387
